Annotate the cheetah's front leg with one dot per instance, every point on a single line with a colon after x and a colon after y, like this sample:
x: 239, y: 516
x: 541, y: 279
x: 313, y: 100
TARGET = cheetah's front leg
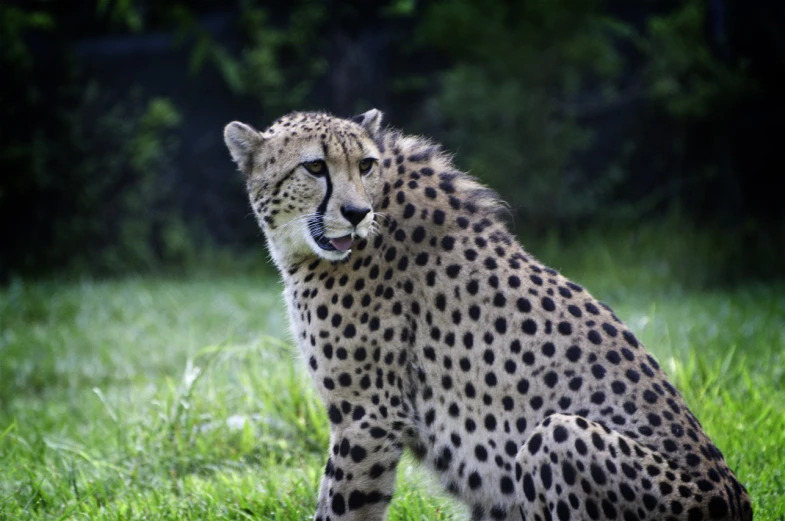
x: 572, y: 468
x: 359, y: 479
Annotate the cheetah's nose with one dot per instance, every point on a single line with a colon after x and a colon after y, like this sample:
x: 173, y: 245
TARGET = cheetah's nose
x: 353, y: 214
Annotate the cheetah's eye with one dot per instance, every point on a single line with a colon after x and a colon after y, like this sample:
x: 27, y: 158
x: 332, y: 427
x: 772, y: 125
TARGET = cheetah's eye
x: 366, y: 165
x: 318, y: 167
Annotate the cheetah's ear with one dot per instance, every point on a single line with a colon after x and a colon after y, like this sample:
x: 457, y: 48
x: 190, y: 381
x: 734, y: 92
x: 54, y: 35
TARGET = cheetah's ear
x: 242, y: 142
x: 371, y: 121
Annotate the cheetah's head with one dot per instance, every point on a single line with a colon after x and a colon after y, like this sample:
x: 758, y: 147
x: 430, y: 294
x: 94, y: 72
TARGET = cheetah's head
x: 311, y: 179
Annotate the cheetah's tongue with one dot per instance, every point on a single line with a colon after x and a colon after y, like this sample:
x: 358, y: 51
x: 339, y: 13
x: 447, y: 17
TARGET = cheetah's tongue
x: 342, y: 243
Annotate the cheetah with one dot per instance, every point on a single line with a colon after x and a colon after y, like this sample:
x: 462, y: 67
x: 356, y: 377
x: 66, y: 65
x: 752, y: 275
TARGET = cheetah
x: 426, y: 326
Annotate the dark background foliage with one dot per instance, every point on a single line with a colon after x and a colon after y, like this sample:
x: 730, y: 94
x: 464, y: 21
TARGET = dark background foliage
x: 586, y: 115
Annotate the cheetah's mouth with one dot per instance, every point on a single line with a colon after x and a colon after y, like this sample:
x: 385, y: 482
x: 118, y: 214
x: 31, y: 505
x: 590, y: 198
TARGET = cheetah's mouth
x: 335, y: 244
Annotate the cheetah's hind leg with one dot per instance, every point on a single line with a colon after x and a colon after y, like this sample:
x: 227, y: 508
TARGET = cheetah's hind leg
x: 572, y: 468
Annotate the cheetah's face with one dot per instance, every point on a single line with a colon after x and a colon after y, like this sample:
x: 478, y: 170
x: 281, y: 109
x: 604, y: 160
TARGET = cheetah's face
x: 309, y: 178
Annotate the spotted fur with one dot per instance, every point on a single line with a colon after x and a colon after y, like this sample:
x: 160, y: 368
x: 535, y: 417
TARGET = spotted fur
x: 438, y: 333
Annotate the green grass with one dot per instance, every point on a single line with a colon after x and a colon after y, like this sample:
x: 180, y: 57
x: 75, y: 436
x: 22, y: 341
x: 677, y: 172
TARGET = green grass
x: 179, y: 399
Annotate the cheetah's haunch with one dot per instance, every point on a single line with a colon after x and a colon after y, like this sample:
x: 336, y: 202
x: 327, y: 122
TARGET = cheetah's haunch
x: 426, y: 325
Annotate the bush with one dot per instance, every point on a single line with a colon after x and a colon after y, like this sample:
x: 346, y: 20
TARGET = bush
x: 575, y: 114
x: 104, y: 173
x: 511, y: 103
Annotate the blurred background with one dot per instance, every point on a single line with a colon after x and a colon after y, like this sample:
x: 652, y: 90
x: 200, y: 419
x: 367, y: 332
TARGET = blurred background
x: 651, y: 126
